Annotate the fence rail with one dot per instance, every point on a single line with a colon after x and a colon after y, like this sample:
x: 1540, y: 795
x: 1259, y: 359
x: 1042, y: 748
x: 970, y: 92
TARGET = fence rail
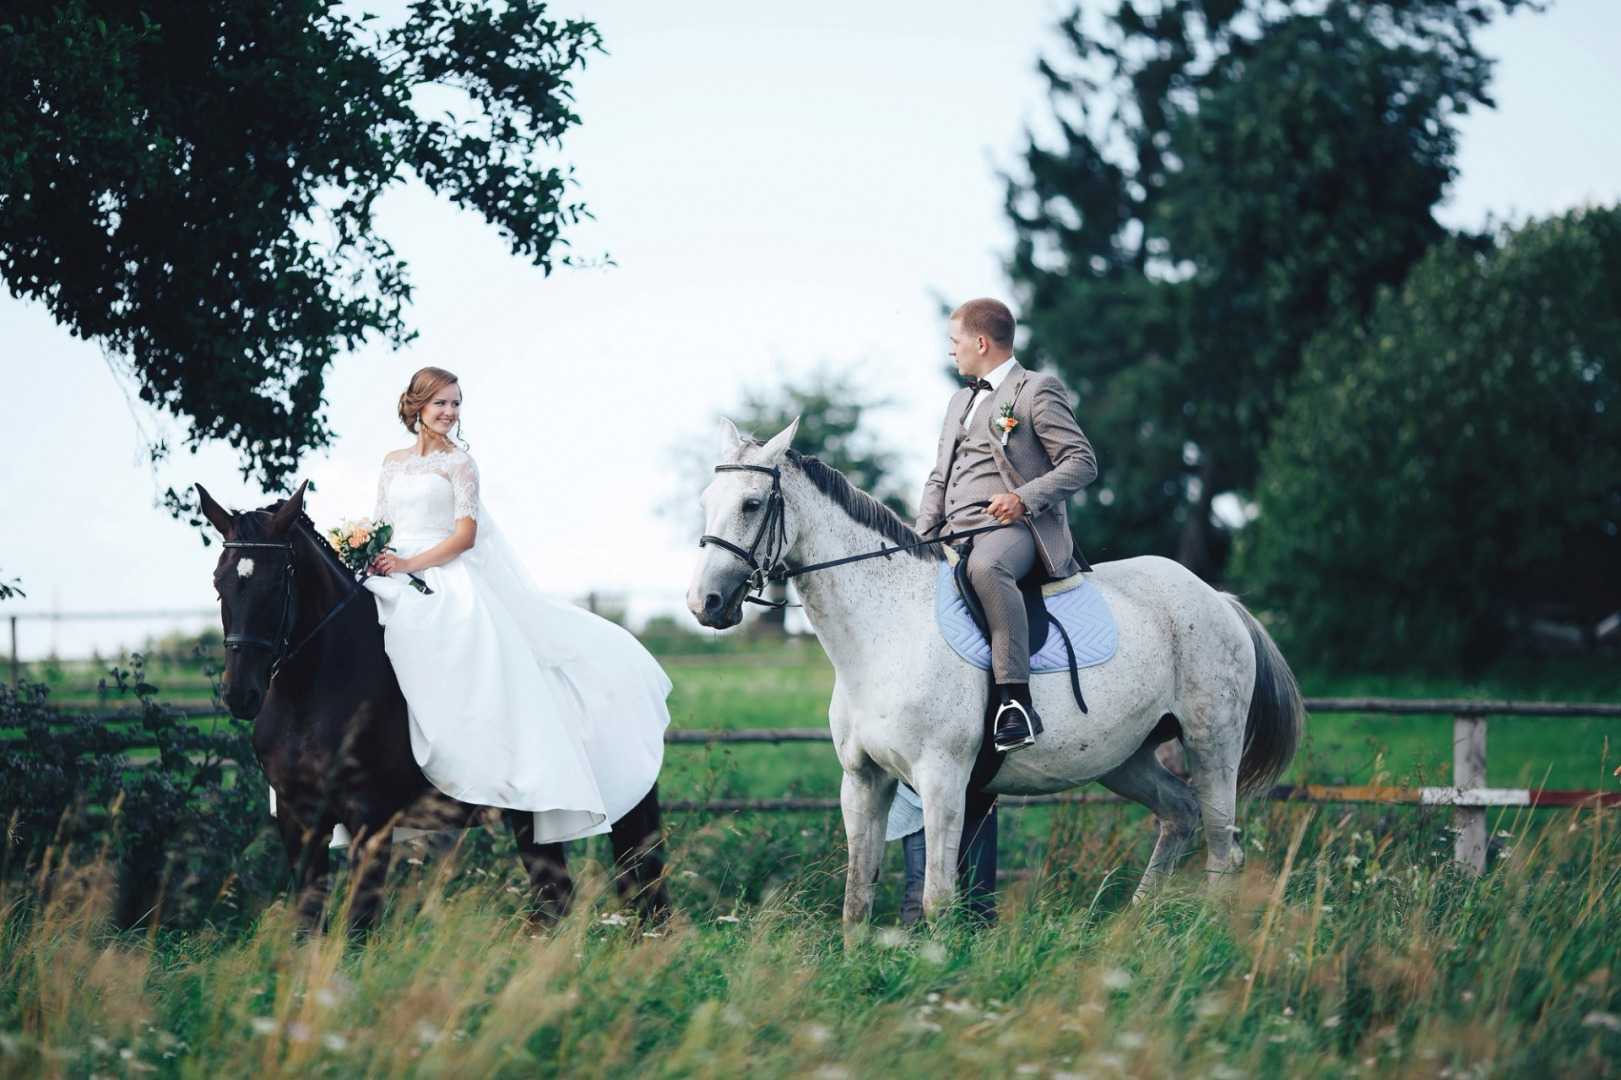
x: 1469, y: 795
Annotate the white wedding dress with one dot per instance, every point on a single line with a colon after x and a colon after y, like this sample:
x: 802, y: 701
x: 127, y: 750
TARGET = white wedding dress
x: 515, y: 700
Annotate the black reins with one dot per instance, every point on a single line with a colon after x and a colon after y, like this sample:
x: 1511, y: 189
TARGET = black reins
x: 768, y: 566
x: 282, y: 649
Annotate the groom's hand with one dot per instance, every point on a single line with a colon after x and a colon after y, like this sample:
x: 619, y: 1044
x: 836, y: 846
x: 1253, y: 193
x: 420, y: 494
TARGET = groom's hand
x: 1006, y: 508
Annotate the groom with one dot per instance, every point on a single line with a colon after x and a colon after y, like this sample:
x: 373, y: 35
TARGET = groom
x: 1009, y: 440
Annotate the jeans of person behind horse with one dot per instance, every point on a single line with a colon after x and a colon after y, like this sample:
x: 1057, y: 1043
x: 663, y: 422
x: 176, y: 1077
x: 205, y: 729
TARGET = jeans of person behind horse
x: 976, y: 865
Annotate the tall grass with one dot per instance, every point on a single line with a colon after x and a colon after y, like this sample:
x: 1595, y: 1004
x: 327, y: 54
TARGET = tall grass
x: 1350, y: 946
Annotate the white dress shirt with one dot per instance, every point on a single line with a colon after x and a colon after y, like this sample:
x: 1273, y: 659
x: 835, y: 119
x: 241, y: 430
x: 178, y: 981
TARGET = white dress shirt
x: 995, y: 379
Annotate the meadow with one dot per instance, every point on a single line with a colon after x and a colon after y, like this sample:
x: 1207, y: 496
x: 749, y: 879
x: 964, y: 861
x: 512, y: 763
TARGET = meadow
x: 1350, y: 946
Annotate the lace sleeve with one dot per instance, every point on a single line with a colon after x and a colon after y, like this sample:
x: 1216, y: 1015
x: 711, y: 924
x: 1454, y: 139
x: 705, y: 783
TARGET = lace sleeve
x: 463, y: 475
x: 381, y: 511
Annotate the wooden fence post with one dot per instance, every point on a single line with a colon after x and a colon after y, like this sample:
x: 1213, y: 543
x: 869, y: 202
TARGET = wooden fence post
x: 1469, y: 772
x: 14, y: 680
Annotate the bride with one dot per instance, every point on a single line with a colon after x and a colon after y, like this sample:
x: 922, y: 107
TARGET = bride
x: 515, y: 701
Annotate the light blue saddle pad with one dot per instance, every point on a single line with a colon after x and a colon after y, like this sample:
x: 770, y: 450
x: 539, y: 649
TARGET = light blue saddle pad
x: 1081, y: 611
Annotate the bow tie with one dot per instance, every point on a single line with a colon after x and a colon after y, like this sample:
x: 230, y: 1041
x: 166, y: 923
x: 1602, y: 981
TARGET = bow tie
x: 980, y: 384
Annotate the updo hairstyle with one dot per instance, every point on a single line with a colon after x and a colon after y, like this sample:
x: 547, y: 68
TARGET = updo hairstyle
x: 424, y: 385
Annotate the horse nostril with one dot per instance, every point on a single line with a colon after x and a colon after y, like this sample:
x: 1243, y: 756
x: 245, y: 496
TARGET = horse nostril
x: 713, y: 602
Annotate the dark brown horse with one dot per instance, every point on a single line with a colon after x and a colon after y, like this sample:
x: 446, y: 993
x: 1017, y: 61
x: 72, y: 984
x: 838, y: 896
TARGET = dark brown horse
x: 305, y: 662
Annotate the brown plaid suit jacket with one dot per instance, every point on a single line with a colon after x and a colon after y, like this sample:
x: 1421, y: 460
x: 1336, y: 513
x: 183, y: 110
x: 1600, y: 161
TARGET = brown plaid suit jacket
x: 1047, y: 459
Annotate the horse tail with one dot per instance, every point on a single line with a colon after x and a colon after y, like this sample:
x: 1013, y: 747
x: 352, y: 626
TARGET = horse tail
x: 1277, y: 713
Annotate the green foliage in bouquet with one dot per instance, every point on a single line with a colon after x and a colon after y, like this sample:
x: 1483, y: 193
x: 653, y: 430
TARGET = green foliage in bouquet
x: 359, y: 542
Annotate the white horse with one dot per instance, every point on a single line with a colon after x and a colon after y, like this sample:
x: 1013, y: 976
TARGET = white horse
x: 1191, y: 661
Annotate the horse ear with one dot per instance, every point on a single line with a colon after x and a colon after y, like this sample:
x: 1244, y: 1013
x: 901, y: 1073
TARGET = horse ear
x: 730, y: 438
x: 219, y: 517
x: 779, y: 443
x: 287, y: 513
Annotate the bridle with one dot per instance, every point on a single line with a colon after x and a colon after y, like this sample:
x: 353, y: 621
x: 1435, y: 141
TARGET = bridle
x: 763, y: 567
x: 767, y: 566
x: 281, y: 648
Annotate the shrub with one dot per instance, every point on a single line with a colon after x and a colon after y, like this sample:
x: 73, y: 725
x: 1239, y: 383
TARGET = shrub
x: 185, y: 832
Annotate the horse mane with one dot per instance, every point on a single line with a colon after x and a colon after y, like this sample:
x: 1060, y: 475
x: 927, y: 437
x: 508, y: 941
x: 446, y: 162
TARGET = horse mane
x: 304, y: 525
x: 861, y: 508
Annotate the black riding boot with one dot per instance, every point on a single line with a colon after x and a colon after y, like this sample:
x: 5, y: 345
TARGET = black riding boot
x: 1016, y: 721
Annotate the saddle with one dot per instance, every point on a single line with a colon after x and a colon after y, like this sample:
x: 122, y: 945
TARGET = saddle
x: 1041, y: 622
x: 1030, y: 588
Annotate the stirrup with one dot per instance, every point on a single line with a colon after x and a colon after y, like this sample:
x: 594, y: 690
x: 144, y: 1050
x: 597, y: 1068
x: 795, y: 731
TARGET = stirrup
x: 1016, y: 742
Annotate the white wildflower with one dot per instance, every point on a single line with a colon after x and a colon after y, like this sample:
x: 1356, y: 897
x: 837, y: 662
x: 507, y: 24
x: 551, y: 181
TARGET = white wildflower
x: 264, y: 1025
x: 1116, y: 979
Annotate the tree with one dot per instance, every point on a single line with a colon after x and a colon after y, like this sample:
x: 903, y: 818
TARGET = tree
x: 1233, y: 176
x: 1455, y: 465
x: 832, y: 412
x: 193, y: 184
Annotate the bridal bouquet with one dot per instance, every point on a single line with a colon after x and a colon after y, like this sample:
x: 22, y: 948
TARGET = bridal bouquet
x: 359, y: 542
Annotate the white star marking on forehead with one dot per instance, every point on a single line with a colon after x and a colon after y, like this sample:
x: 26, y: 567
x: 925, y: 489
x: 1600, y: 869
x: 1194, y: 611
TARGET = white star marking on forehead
x: 244, y: 567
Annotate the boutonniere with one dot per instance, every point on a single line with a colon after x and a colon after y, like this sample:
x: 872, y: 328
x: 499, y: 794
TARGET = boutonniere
x: 1006, y: 422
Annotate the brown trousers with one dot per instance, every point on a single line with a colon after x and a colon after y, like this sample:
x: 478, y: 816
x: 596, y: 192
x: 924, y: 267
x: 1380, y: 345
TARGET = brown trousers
x: 997, y: 562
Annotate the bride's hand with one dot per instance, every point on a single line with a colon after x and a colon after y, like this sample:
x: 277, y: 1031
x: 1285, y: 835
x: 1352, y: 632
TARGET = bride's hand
x: 390, y: 563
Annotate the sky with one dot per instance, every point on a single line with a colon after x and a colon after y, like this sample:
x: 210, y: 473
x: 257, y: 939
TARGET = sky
x: 781, y: 189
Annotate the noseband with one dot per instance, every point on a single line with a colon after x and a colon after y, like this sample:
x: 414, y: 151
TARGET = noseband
x: 281, y: 648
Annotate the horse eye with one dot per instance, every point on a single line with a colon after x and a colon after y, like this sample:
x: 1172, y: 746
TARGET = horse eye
x: 750, y: 505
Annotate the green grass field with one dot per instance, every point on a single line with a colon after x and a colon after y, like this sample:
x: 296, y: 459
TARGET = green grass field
x: 728, y: 682
x: 1350, y: 946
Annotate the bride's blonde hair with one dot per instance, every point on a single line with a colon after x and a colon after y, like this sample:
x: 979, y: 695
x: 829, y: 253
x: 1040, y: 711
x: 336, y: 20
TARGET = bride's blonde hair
x: 424, y: 385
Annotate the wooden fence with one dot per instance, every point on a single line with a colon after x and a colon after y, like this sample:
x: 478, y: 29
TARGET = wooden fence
x: 1469, y: 793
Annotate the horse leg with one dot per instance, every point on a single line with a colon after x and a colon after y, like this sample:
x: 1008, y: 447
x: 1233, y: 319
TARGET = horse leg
x: 638, y: 868
x: 976, y: 858
x: 369, y: 854
x: 311, y: 860
x: 551, y: 890
x: 1213, y: 771
x: 944, y: 812
x: 864, y: 797
x: 1142, y: 778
